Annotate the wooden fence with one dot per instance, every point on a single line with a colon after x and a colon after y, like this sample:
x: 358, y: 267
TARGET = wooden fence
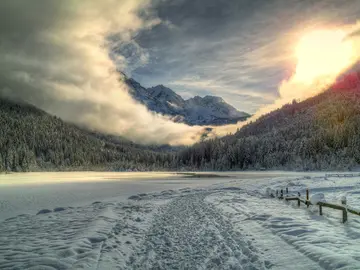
x: 342, y: 175
x: 343, y: 207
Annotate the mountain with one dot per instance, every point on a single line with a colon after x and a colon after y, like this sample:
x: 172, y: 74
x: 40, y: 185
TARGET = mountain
x: 208, y: 110
x: 320, y: 133
x: 32, y: 140
x: 212, y: 110
x: 166, y: 95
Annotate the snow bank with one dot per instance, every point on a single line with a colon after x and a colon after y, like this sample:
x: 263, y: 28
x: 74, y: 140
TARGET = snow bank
x: 343, y: 199
x: 286, y: 234
x: 318, y: 197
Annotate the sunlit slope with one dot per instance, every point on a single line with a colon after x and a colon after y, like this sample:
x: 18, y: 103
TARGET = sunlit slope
x: 32, y: 140
x: 320, y: 133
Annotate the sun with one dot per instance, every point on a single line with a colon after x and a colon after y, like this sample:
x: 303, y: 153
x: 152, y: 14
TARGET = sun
x: 323, y: 54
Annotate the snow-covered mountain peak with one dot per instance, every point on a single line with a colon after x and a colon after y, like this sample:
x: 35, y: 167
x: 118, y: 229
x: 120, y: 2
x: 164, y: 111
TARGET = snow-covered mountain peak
x: 208, y: 110
x: 166, y: 94
x: 206, y: 100
x: 214, y: 99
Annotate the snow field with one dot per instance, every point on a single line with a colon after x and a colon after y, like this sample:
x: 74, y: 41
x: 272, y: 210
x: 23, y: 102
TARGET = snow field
x: 222, y: 224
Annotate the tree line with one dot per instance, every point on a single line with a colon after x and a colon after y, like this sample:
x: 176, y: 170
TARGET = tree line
x: 321, y: 133
x: 32, y: 140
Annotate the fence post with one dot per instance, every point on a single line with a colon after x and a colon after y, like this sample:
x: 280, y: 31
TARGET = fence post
x: 307, y: 197
x: 287, y: 190
x: 281, y: 194
x: 298, y: 202
x: 344, y: 215
x: 320, y: 210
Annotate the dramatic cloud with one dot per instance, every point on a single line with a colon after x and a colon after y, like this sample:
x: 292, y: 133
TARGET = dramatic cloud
x: 241, y: 50
x: 62, y: 56
x: 55, y: 55
x: 329, y: 54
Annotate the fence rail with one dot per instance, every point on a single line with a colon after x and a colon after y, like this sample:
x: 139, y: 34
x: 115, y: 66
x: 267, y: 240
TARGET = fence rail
x: 344, y: 208
x: 342, y: 175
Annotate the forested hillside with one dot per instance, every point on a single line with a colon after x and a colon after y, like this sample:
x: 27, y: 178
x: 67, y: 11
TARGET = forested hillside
x: 32, y: 140
x: 321, y: 133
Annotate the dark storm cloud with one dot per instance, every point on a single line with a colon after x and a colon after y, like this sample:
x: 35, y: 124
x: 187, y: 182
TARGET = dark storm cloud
x: 232, y: 47
x: 23, y: 49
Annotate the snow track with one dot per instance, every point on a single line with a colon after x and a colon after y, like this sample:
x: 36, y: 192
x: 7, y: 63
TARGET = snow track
x: 188, y: 233
x: 168, y: 230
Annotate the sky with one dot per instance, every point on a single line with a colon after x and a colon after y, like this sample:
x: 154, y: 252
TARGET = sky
x: 240, y: 50
x: 63, y: 57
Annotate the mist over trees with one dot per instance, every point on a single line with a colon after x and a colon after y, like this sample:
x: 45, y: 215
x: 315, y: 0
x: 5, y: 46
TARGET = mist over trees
x: 32, y: 140
x: 321, y: 133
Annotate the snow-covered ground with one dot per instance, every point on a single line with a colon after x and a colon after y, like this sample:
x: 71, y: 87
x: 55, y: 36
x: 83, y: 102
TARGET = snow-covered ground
x: 165, y: 221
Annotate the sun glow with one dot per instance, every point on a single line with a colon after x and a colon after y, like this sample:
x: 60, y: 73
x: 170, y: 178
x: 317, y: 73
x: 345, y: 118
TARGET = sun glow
x: 323, y: 55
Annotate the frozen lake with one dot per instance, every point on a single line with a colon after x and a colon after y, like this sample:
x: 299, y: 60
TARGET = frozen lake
x: 108, y: 220
x: 27, y: 193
